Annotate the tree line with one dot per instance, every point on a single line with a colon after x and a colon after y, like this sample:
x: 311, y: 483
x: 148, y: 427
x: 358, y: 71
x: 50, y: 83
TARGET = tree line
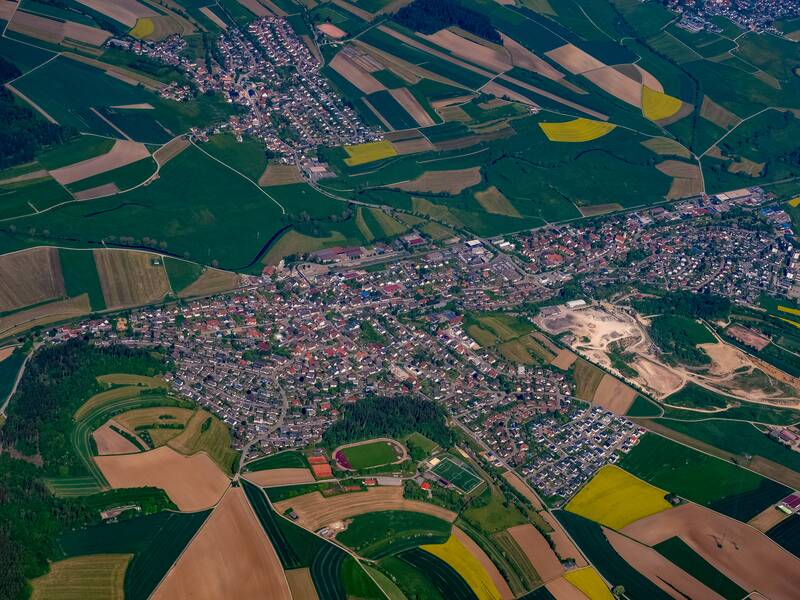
x: 429, y: 16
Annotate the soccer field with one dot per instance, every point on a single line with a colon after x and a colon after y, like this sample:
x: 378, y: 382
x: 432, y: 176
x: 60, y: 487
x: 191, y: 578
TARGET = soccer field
x: 464, y: 480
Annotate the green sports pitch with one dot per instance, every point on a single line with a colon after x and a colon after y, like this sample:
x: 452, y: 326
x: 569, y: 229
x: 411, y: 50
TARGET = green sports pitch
x: 462, y: 478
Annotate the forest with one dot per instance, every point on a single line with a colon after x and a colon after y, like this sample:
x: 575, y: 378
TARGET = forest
x: 390, y: 417
x: 701, y: 305
x: 22, y: 131
x: 57, y: 380
x: 429, y: 16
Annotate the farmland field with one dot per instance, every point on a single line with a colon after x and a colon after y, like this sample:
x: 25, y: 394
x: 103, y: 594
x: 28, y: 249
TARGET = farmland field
x: 207, y: 433
x: 378, y: 534
x: 281, y: 460
x: 678, y: 552
x: 84, y: 577
x: 673, y: 467
x: 445, y: 579
x: 615, y: 498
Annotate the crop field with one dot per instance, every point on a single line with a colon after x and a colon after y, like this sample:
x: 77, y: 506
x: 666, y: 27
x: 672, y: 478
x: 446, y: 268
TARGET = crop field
x: 280, y: 477
x: 438, y: 182
x: 615, y: 498
x: 206, y: 433
x: 167, y: 421
x: 95, y: 577
x: 464, y: 479
x: 736, y: 492
x: 205, y: 567
x: 154, y: 540
x: 578, y: 130
x: 36, y: 277
x: 682, y: 555
x: 587, y: 379
x: 367, y: 455
x: 281, y: 460
x: 445, y: 579
x: 130, y: 278
x: 80, y: 276
x: 786, y: 534
x: 492, y: 200
x: 657, y: 105
x: 390, y: 109
x: 43, y: 314
x: 370, y: 152
x: 378, y: 534
x: 588, y: 581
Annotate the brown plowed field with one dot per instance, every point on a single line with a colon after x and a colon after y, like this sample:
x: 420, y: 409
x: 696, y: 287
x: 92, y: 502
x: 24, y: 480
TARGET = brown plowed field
x: 100, y: 191
x: 54, y: 31
x: 192, y: 482
x: 564, y: 546
x: 525, y: 59
x: 519, y: 485
x: 276, y: 174
x: 301, y: 584
x: 332, y: 30
x: 538, y: 551
x: 16, y: 323
x: 767, y: 519
x: 124, y: 11
x: 123, y: 152
x: 614, y: 395
x: 170, y: 150
x: 315, y: 511
x: 130, y: 278
x: 273, y: 477
x: 719, y: 115
x: 486, y: 563
x: 354, y: 74
x: 230, y: 557
x: 740, y: 552
x: 110, y: 442
x: 212, y: 281
x: 658, y: 569
x: 407, y: 100
x: 574, y: 60
x: 479, y: 54
x: 564, y: 590
x: 618, y: 85
x: 30, y: 277
x: 438, y: 182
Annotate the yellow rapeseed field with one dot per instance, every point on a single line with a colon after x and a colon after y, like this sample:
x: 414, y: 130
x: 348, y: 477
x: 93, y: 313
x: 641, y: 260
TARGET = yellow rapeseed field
x: 143, y: 28
x: 658, y: 105
x: 579, y: 130
x: 364, y: 153
x: 457, y: 556
x: 615, y: 498
x: 787, y: 309
x: 795, y: 323
x: 794, y: 202
x: 589, y: 582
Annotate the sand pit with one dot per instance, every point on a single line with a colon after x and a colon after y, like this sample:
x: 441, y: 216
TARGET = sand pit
x: 345, y: 66
x: 725, y: 359
x: 412, y: 106
x: 574, y: 60
x: 192, y: 482
x: 485, y: 562
x: 496, y: 60
x: 332, y: 30
x: 519, y: 485
x: 274, y: 477
x: 740, y: 552
x: 212, y: 16
x: 442, y: 182
x: 123, y: 152
x: 110, y: 442
x: 230, y: 557
x: 614, y: 395
x: 659, y: 379
x: 658, y: 569
x: 315, y: 511
x: 564, y: 547
x: 538, y: 551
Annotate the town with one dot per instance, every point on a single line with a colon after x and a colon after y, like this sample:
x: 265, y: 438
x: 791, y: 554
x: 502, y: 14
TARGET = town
x: 279, y: 359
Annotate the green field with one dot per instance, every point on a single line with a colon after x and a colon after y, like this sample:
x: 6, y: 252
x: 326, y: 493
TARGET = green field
x: 181, y: 273
x: 464, y: 479
x: 787, y: 534
x: 378, y: 534
x: 680, y: 470
x: 373, y: 454
x: 282, y: 460
x: 681, y: 554
x: 444, y: 578
x: 156, y: 541
x: 9, y: 369
x: 412, y: 582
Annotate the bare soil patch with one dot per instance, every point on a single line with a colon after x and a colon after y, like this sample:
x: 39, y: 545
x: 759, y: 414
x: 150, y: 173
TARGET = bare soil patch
x: 502, y: 91
x: 170, y: 150
x: 574, y: 60
x: 486, y: 563
x: 332, y: 30
x: 412, y: 146
x: 255, y: 7
x: 130, y: 278
x: 519, y: 485
x: 439, y: 182
x: 666, y: 146
x: 192, y: 482
x: 564, y: 590
x: 614, y: 395
x: 345, y: 66
x: 100, y: 191
x: 40, y: 174
x: 746, y: 166
x: 124, y: 11
x: 618, y: 85
x: 767, y: 519
x: 594, y: 210
x: 725, y: 359
x: 6, y: 352
x: 274, y: 477
x: 315, y: 511
x: 740, y: 552
x: 110, y: 442
x: 29, y: 277
x: 717, y: 114
x: 564, y: 547
x: 660, y: 571
x: 564, y: 359
x: 538, y: 551
x: 467, y: 49
x: 212, y: 281
x: 214, y: 18
x: 123, y: 152
x: 407, y: 100
x: 7, y: 8
x: 230, y: 556
x: 278, y: 174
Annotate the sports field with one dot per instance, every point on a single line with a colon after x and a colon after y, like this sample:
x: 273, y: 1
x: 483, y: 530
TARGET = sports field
x: 365, y: 456
x: 616, y: 498
x: 462, y: 478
